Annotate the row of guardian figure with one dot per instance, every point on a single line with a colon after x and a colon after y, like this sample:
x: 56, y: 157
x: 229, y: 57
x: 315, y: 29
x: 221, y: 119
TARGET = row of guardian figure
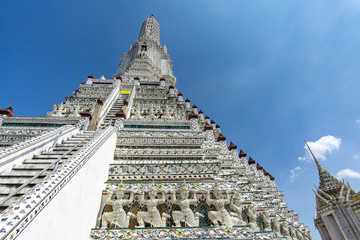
x: 220, y: 216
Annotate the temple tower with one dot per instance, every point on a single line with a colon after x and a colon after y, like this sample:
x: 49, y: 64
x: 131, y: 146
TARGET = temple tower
x: 146, y: 58
x: 337, y: 207
x: 128, y: 157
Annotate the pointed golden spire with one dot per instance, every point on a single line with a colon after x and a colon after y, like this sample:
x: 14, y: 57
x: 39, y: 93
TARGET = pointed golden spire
x: 320, y: 168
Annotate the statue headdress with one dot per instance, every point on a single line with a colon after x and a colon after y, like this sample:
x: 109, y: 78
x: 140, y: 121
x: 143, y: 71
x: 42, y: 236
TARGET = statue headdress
x: 121, y: 186
x: 237, y: 196
x: 153, y: 187
x: 216, y: 186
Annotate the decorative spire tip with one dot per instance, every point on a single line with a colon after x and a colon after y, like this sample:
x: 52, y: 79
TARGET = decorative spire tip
x: 320, y: 168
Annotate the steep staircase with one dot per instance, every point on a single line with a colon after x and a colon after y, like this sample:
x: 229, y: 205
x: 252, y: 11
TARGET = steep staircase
x: 23, y: 177
x: 119, y: 103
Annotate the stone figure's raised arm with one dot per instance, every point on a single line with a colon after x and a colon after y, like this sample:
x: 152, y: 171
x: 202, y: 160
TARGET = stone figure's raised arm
x: 109, y: 199
x: 173, y: 197
x: 208, y: 198
x: 141, y: 198
x: 232, y: 205
x: 194, y: 199
x: 227, y: 198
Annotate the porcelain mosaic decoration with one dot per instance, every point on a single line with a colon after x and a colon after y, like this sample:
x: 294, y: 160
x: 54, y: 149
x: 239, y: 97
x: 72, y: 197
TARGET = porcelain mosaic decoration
x: 173, y: 175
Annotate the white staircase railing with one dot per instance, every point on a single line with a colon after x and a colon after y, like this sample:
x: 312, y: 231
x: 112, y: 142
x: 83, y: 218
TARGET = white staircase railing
x: 131, y: 99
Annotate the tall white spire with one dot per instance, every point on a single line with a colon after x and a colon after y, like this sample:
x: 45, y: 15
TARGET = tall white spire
x: 150, y: 29
x: 147, y: 59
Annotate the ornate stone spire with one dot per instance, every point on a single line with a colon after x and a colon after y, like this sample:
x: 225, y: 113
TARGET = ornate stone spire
x: 335, y: 215
x: 146, y: 58
x: 328, y: 183
x: 150, y: 29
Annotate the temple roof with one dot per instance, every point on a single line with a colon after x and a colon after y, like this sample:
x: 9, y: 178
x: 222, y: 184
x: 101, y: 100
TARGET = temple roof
x: 7, y: 111
x: 329, y: 186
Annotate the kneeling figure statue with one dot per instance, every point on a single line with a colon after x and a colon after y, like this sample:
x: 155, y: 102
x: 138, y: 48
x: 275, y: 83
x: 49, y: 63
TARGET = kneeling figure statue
x: 221, y: 214
x: 152, y: 215
x: 118, y: 216
x: 186, y: 215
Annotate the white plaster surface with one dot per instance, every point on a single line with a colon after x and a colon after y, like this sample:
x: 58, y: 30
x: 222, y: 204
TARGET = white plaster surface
x: 73, y: 211
x: 28, y: 152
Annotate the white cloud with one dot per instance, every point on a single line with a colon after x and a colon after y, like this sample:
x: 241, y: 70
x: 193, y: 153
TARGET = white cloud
x: 294, y: 173
x: 356, y: 156
x: 358, y: 121
x: 322, y: 147
x: 347, y: 173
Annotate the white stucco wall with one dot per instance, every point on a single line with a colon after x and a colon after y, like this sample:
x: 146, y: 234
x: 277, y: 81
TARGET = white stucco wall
x: 73, y: 211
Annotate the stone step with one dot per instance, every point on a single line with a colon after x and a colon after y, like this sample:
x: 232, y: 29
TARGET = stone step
x: 50, y: 156
x: 8, y: 189
x: 59, y: 149
x: 31, y: 167
x: 107, y: 120
x: 110, y: 118
x: 77, y: 140
x: 39, y: 161
x: 23, y: 173
x: 87, y: 133
x: 67, y: 144
x: 18, y: 181
x: 60, y: 152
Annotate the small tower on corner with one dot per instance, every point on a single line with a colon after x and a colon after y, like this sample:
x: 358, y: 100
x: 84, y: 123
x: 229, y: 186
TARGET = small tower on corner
x: 337, y: 207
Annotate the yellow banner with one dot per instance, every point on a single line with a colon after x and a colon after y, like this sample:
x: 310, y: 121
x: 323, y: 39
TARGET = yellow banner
x: 125, y: 92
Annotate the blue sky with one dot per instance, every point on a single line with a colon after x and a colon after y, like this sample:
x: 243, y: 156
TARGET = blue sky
x: 270, y: 73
